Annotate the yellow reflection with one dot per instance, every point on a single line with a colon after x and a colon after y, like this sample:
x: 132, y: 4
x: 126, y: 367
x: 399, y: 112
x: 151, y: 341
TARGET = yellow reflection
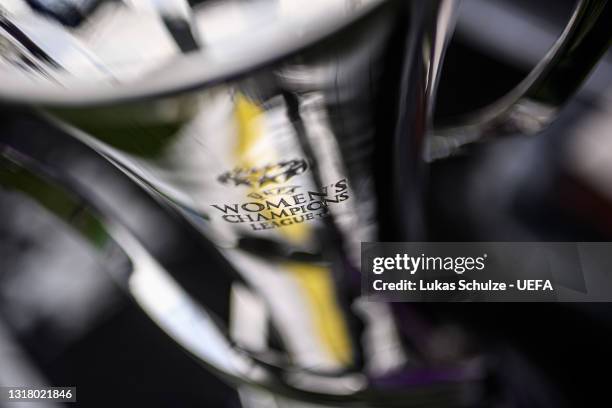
x: 318, y: 286
x: 250, y: 129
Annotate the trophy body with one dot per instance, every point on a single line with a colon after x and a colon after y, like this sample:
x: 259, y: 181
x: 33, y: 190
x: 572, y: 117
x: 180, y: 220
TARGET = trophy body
x: 285, y: 144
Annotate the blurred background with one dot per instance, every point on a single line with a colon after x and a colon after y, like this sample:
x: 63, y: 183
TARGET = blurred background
x: 64, y: 322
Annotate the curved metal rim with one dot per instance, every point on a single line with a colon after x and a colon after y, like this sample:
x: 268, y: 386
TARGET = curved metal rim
x: 191, y: 71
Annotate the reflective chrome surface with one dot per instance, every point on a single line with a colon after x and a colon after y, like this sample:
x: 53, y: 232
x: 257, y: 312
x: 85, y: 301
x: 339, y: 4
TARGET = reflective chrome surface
x: 235, y: 348
x: 286, y: 137
x: 534, y: 103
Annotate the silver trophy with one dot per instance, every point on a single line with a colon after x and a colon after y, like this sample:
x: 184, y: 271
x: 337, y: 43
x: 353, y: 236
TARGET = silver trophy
x: 284, y: 133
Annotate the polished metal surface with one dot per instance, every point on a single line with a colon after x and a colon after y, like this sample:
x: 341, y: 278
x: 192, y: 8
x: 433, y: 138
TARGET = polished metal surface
x: 286, y: 133
x: 534, y: 103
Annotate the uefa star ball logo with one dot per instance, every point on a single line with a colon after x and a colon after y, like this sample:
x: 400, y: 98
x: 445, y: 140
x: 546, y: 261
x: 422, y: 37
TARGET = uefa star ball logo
x: 257, y: 177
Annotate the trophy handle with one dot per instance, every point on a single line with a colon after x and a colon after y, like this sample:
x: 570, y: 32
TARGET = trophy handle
x: 534, y: 103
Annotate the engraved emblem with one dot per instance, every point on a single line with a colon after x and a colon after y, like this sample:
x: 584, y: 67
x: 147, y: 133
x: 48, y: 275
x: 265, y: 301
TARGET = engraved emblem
x: 258, y: 177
